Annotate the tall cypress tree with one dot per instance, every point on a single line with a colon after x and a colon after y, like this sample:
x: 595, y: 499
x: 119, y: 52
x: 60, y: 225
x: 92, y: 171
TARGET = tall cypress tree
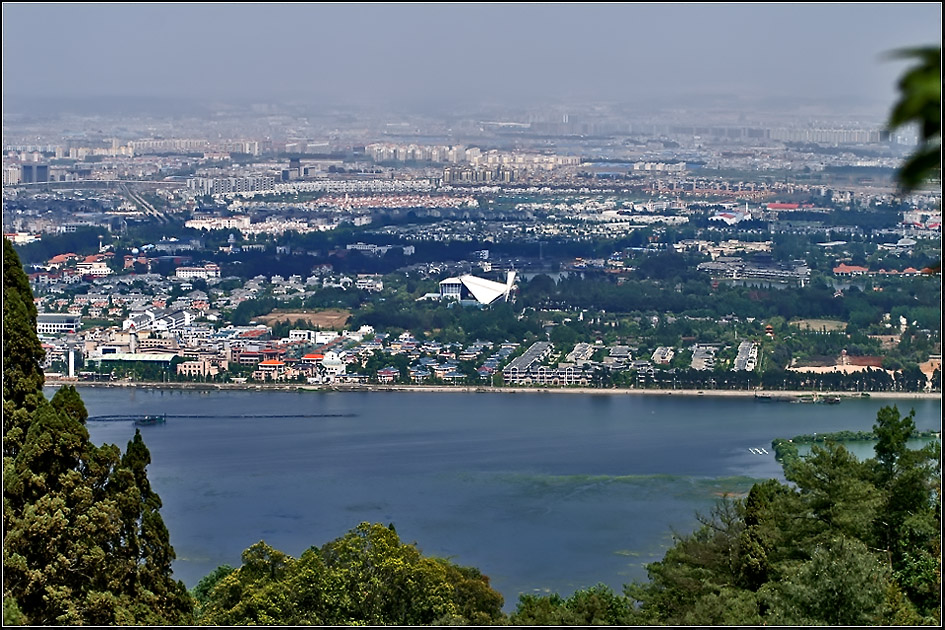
x: 83, y: 542
x: 22, y: 353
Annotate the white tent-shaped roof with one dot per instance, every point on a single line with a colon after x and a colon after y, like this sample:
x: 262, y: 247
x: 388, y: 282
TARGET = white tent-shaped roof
x: 485, y: 291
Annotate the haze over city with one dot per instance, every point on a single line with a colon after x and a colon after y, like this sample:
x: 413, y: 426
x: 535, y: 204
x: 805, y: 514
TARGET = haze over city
x: 423, y: 58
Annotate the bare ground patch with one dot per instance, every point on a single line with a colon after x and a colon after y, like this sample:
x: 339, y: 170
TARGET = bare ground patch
x: 928, y: 368
x: 329, y: 319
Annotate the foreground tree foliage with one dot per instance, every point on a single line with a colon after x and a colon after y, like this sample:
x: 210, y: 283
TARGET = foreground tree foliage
x: 83, y: 540
x: 845, y: 543
x: 920, y: 102
x: 367, y: 577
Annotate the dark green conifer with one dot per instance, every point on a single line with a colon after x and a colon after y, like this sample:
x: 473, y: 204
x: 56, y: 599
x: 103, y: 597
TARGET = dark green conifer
x: 22, y: 353
x: 84, y: 543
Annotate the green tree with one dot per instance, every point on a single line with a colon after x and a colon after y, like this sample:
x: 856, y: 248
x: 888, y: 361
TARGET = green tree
x: 892, y: 432
x: 910, y: 527
x: 22, y: 353
x: 697, y: 581
x: 842, y: 584
x: 849, y: 542
x: 761, y: 537
x: 67, y: 401
x: 920, y: 103
x: 142, y: 560
x: 595, y: 606
x: 837, y: 494
x: 83, y: 543
x: 201, y: 592
x: 367, y: 576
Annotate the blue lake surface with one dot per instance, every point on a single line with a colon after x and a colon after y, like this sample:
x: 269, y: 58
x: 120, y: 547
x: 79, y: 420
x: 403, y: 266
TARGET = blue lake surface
x: 542, y: 492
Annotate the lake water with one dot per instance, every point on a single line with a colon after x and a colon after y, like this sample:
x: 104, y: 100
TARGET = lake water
x: 542, y: 492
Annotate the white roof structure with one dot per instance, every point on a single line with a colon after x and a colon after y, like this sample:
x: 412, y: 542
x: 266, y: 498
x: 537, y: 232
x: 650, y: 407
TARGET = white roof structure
x: 484, y: 291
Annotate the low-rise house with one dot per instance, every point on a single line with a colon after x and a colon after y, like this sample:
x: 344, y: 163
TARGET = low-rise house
x: 198, y: 368
x: 454, y: 377
x: 388, y: 374
x: 663, y: 355
x: 270, y: 369
x: 419, y: 375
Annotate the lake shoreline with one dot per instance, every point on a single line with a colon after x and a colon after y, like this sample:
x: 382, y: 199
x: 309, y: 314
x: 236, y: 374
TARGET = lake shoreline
x: 777, y: 395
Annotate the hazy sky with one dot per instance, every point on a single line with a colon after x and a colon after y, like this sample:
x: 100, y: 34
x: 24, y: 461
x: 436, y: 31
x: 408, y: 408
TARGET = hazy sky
x: 522, y: 53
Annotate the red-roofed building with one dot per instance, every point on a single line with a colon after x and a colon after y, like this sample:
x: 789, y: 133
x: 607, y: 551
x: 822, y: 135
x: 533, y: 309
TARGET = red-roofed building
x: 270, y: 369
x: 130, y: 261
x: 59, y: 259
x: 783, y: 206
x: 844, y: 269
x: 45, y: 277
x: 388, y: 374
x: 272, y: 353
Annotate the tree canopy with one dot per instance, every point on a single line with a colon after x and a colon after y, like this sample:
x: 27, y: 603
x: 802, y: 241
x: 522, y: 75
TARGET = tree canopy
x: 920, y: 103
x: 84, y: 542
x: 845, y: 542
x: 366, y: 577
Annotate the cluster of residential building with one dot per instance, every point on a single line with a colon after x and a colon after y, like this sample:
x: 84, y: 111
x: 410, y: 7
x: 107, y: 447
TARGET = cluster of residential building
x: 474, y: 156
x: 231, y: 185
x: 370, y: 185
x: 182, y: 343
x: 731, y: 268
x: 397, y: 201
x: 530, y: 369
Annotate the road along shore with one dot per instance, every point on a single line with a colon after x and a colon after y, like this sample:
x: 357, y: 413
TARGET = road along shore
x: 777, y: 395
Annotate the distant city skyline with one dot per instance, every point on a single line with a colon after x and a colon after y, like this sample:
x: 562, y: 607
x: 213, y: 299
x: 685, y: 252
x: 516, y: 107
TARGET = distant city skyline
x: 433, y: 57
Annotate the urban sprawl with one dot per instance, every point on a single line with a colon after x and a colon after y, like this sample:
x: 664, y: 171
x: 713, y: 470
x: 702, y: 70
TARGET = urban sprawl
x: 545, y: 250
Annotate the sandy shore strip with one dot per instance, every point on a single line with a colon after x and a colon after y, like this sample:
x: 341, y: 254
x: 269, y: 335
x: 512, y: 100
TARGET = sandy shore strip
x: 294, y: 387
